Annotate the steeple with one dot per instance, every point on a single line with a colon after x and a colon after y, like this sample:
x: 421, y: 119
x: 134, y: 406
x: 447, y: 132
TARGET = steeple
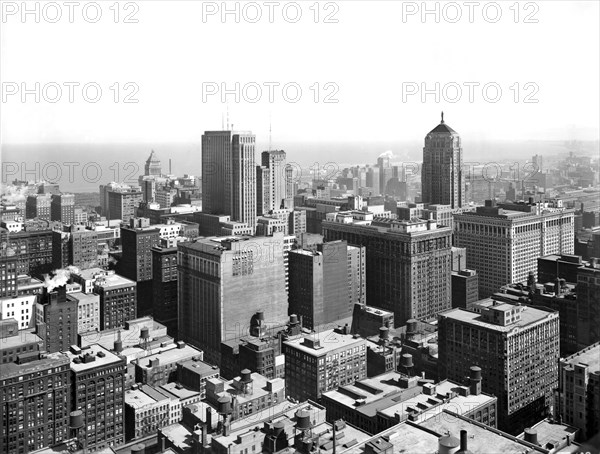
x: 442, y: 122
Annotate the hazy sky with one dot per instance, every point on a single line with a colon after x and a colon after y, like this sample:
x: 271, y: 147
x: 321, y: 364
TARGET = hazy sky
x: 371, y: 57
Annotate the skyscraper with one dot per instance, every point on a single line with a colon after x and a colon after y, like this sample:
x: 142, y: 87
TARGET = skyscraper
x: 229, y: 175
x: 224, y: 286
x: 442, y: 179
x: 243, y: 179
x: 275, y: 161
x: 408, y: 262
x: 504, y: 242
x: 62, y: 208
x: 216, y: 172
x: 152, y: 166
x: 517, y: 348
x: 319, y: 289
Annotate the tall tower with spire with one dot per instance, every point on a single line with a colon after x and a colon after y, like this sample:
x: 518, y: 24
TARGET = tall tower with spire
x: 152, y: 166
x: 442, y: 180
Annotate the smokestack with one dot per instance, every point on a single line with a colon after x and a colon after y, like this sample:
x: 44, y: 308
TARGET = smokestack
x: 463, y: 440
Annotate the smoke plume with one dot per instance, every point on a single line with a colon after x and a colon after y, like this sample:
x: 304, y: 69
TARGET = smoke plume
x: 60, y: 278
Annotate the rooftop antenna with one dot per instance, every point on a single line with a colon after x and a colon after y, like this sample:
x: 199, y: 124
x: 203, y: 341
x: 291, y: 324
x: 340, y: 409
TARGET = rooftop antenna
x: 227, y: 117
x: 442, y: 117
x: 222, y: 122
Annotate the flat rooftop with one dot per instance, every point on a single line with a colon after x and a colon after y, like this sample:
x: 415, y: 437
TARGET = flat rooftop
x: 199, y: 367
x: 15, y: 370
x: 179, y: 391
x: 404, y: 438
x: 114, y: 280
x: 555, y: 433
x: 102, y: 357
x: 329, y: 340
x: 169, y: 356
x: 529, y: 315
x: 259, y: 387
x: 481, y: 438
x: 23, y: 337
x: 589, y: 355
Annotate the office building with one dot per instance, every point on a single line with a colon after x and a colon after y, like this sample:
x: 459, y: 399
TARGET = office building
x: 161, y: 368
x: 118, y: 300
x: 323, y: 361
x: 504, y: 241
x: 35, y: 396
x: 56, y: 319
x: 442, y: 178
x: 164, y: 284
x: 75, y: 245
x: 407, y: 262
x: 275, y: 161
x: 98, y: 384
x: 21, y: 308
x: 250, y: 393
x: 146, y: 411
x: 588, y: 303
x: 62, y: 208
x: 17, y: 345
x: 152, y: 166
x: 193, y: 374
x: 465, y: 288
x: 229, y: 175
x: 88, y: 311
x: 378, y: 403
x: 320, y: 285
x: 562, y: 266
x: 32, y: 248
x: 578, y: 400
x: 229, y: 287
x: 37, y: 206
x: 500, y: 337
x: 123, y: 203
x: 263, y: 190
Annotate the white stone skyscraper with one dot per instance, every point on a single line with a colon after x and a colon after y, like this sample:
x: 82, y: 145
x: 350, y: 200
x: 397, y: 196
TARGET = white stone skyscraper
x: 443, y: 181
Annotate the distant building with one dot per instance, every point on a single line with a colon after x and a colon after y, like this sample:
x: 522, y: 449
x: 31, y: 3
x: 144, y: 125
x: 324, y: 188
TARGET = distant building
x: 482, y: 337
x: 322, y: 362
x: 123, y: 203
x: 38, y: 207
x: 62, y: 208
x: 75, y: 245
x: 442, y: 178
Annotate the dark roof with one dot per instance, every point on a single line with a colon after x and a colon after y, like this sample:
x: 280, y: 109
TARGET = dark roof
x: 443, y: 128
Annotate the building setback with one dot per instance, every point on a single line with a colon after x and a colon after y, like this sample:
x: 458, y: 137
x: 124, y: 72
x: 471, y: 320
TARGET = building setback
x: 517, y: 349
